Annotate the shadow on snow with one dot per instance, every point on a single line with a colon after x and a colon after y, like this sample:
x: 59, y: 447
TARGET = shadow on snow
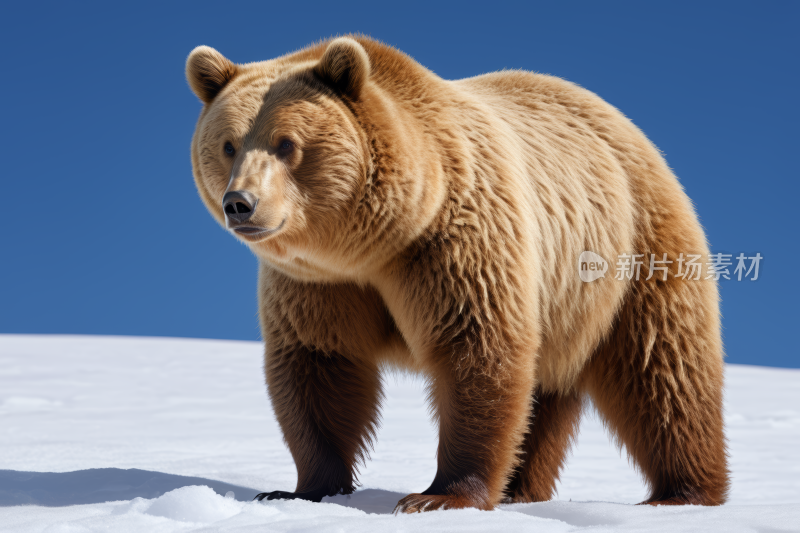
x: 98, y: 485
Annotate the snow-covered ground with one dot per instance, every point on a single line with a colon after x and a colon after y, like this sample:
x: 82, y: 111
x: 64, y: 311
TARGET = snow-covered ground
x: 136, y: 434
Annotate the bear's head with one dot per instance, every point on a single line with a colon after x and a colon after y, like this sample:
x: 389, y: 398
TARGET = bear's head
x: 278, y: 155
x: 317, y: 160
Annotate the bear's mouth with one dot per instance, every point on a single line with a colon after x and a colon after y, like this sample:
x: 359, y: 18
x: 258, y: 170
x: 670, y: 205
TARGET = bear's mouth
x: 256, y: 232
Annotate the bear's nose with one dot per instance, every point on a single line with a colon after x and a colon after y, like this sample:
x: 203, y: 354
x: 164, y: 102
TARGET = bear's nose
x: 239, y: 205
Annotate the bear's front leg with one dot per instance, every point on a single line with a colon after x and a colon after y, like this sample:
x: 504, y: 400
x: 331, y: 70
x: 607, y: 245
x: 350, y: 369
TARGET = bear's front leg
x: 482, y: 402
x: 321, y: 376
x: 326, y: 405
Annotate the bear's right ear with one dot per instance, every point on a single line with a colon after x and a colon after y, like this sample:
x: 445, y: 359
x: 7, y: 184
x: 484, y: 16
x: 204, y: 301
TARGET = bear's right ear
x: 345, y: 66
x: 207, y: 72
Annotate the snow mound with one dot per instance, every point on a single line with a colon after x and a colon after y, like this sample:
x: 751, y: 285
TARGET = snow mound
x: 193, y: 504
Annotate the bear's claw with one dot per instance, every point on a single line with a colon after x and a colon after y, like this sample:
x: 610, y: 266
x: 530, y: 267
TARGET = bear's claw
x: 312, y: 496
x: 417, y: 503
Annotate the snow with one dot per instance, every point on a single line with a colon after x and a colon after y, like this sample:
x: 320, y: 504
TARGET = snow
x: 144, y: 434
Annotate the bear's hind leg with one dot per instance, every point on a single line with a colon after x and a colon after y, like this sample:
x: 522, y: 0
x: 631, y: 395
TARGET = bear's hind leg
x: 657, y: 382
x: 552, y: 428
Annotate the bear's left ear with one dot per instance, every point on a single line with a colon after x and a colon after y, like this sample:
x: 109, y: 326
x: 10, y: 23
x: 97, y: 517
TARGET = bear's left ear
x: 207, y: 72
x: 345, y: 66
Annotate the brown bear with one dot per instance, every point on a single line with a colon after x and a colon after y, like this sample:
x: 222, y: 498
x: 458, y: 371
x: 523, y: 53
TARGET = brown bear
x: 406, y: 221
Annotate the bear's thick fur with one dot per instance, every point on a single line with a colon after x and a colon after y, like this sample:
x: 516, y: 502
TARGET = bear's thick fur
x: 406, y: 221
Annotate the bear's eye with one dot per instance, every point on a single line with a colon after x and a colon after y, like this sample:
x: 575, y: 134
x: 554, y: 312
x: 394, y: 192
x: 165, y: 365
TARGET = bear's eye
x: 229, y: 149
x: 286, y: 146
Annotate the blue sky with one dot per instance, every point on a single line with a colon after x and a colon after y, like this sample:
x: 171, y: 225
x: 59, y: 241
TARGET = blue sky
x: 103, y: 232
